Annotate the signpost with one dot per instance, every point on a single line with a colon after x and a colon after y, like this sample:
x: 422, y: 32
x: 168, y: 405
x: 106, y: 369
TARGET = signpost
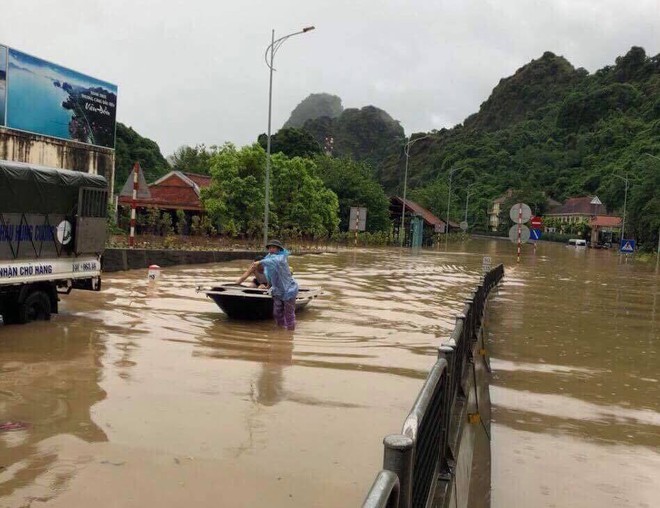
x: 525, y: 233
x: 535, y: 234
x: 357, y: 220
x: 627, y: 246
x: 520, y: 213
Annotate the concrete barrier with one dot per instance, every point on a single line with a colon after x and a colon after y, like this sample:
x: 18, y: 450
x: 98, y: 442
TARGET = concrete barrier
x: 115, y: 260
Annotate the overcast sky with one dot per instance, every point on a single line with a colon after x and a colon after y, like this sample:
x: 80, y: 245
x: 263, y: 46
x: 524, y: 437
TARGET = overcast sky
x: 193, y: 71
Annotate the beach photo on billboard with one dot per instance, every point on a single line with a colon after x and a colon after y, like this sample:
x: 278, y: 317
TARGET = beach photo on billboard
x: 51, y: 100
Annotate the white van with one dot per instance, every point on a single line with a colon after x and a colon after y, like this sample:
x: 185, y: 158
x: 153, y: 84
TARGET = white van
x: 578, y: 243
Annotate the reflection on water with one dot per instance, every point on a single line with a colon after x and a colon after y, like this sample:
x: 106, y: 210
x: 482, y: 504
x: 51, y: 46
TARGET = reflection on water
x: 151, y: 381
x: 49, y: 381
x: 576, y: 390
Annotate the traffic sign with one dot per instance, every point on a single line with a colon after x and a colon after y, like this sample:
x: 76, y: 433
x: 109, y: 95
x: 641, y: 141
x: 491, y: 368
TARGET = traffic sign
x: 524, y: 233
x: 627, y: 246
x: 464, y: 225
x: 536, y: 222
x: 535, y: 234
x: 358, y: 218
x: 515, y: 212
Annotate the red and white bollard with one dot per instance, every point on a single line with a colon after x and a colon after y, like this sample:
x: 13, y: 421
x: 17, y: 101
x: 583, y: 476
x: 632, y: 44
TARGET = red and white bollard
x: 153, y: 273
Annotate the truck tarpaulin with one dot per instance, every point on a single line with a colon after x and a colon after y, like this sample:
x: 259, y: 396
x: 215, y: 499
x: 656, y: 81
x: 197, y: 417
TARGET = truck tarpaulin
x: 41, y: 209
x: 26, y: 188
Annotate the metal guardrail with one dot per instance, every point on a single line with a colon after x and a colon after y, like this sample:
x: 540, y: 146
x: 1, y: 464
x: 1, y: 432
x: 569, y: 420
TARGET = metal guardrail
x: 420, y: 456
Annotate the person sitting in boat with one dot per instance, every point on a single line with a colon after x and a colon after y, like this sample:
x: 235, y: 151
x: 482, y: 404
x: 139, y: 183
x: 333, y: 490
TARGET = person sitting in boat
x: 259, y: 278
x: 284, y: 287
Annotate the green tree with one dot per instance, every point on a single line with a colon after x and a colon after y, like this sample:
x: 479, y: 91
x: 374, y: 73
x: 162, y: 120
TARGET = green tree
x: 197, y: 159
x: 354, y: 185
x: 235, y: 198
x: 300, y: 203
x: 181, y: 222
x: 292, y: 143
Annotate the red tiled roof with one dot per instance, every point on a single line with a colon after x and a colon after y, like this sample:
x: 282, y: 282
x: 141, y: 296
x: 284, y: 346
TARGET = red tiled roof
x: 174, y: 191
x: 579, y: 206
x: 428, y: 217
x: 605, y: 221
x: 201, y: 180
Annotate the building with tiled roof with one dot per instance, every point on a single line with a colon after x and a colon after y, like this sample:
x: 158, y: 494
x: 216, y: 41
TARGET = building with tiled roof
x: 588, y: 209
x: 431, y: 223
x: 578, y: 209
x: 174, y: 191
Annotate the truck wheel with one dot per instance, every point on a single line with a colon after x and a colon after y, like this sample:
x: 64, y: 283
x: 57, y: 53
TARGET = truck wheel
x: 36, y: 307
x: 10, y: 315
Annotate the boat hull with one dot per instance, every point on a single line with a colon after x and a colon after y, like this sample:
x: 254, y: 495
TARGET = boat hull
x: 239, y: 302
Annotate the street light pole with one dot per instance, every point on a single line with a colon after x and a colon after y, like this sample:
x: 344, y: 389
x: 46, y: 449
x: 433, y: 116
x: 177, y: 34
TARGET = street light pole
x: 405, y: 185
x: 272, y: 49
x: 451, y: 173
x: 467, y: 200
x: 625, y: 200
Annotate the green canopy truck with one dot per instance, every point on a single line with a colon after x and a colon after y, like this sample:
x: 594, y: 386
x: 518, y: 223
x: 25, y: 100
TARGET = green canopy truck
x: 52, y: 235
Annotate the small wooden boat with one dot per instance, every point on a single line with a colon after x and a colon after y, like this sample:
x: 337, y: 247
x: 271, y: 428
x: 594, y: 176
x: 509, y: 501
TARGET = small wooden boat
x: 240, y: 302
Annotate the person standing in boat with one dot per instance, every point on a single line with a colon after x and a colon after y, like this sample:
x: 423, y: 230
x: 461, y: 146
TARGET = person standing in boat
x: 284, y: 287
x: 259, y: 278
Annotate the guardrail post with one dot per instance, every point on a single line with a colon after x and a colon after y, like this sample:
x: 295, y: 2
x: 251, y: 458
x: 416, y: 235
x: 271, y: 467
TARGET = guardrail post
x: 446, y: 457
x: 470, y: 315
x: 462, y: 348
x: 398, y: 458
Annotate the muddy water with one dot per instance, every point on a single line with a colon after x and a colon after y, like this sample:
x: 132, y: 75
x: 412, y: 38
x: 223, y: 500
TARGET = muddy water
x: 575, y: 341
x: 146, y: 395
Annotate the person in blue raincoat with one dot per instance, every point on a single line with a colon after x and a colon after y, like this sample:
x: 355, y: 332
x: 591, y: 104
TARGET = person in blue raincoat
x: 284, y: 287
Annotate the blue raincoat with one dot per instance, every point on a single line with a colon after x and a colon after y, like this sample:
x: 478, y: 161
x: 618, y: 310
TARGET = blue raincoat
x: 282, y: 283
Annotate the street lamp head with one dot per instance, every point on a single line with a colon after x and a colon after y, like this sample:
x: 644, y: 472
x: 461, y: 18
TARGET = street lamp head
x: 308, y: 29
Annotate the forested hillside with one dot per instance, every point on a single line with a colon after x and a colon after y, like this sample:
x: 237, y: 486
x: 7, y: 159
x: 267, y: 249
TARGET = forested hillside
x: 366, y: 135
x: 549, y: 130
x: 314, y: 106
x: 130, y: 148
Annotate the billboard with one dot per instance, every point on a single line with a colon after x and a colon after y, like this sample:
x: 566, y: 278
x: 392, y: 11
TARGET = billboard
x: 3, y: 83
x: 50, y: 100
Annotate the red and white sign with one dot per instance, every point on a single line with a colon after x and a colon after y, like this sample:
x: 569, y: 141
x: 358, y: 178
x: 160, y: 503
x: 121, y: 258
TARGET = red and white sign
x: 536, y: 222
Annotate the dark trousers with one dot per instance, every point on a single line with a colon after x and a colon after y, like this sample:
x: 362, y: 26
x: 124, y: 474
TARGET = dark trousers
x: 284, y: 312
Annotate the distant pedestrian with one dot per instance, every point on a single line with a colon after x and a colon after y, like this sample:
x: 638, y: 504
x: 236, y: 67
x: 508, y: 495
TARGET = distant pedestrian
x: 284, y: 287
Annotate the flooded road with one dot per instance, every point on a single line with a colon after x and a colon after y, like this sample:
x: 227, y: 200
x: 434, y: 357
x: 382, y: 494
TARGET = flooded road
x: 146, y: 395
x: 574, y: 336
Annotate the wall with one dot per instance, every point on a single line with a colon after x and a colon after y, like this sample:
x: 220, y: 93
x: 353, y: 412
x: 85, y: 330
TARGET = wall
x: 57, y: 153
x: 115, y: 260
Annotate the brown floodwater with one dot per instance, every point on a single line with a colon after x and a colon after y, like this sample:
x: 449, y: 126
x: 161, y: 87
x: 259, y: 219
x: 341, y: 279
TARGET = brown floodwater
x: 145, y: 394
x: 574, y: 336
